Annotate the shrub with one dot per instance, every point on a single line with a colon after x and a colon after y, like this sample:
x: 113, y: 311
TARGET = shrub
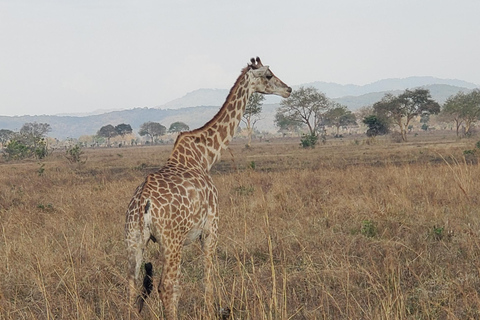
x: 74, y: 154
x: 41, y: 150
x: 477, y: 145
x: 308, y: 140
x: 369, y: 229
x: 16, y: 150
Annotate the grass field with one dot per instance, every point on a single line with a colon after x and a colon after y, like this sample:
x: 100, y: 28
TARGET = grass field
x: 352, y: 229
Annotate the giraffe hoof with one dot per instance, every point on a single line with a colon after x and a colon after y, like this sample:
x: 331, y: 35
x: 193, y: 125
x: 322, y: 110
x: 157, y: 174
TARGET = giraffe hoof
x: 139, y: 302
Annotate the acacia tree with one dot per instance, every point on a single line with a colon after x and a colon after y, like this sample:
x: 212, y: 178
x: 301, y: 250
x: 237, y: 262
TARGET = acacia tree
x: 462, y: 108
x: 252, y: 114
x: 123, y: 129
x: 306, y: 106
x: 339, y: 116
x: 152, y: 130
x: 108, y: 132
x: 178, y: 126
x: 408, y: 105
x: 471, y: 109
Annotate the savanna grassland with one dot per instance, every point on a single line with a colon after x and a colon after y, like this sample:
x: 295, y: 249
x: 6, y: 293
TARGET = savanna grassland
x: 348, y: 230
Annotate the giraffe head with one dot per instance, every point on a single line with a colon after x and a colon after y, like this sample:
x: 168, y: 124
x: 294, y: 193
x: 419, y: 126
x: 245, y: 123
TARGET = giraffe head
x: 264, y: 81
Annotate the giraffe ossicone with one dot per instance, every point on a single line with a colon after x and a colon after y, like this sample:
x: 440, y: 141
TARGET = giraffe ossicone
x: 178, y: 204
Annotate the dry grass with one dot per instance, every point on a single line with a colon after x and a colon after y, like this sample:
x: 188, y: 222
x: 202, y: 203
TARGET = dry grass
x: 348, y: 230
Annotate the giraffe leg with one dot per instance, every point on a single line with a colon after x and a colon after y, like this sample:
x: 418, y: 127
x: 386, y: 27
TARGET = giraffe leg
x: 209, y: 245
x: 168, y: 288
x: 135, y: 257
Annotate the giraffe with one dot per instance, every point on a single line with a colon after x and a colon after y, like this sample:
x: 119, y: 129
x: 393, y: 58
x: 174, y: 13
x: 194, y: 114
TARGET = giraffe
x: 178, y: 204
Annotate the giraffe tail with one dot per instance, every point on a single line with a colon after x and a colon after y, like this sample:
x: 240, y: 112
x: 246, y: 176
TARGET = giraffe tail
x: 147, y: 285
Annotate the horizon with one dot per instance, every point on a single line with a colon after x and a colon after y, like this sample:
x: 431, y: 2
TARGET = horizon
x: 269, y: 97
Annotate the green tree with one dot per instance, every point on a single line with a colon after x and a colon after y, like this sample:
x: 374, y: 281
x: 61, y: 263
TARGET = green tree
x: 252, y: 114
x: 123, y: 129
x: 452, y: 110
x: 152, y: 130
x: 107, y: 132
x: 339, y: 116
x: 462, y: 108
x: 306, y: 106
x: 178, y: 126
x: 408, y: 105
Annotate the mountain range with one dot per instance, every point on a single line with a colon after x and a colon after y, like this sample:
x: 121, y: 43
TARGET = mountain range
x: 197, y: 107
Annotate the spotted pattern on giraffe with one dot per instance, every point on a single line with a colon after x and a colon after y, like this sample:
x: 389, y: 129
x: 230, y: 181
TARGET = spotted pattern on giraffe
x: 178, y: 204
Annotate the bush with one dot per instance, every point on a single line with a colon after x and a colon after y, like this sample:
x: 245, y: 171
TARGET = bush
x: 41, y: 150
x: 376, y: 126
x: 369, y: 229
x: 308, y: 140
x: 477, y: 145
x: 74, y: 153
x: 16, y: 150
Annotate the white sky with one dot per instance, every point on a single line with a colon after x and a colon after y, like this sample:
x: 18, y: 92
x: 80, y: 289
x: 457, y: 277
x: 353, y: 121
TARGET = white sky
x: 66, y: 56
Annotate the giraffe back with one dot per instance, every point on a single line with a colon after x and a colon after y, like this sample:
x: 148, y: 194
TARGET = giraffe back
x: 173, y: 203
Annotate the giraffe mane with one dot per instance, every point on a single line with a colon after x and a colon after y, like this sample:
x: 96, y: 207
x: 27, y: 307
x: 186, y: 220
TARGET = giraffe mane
x: 255, y: 64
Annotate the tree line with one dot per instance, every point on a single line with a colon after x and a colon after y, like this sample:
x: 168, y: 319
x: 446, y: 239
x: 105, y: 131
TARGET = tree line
x: 31, y: 140
x: 310, y: 110
x: 306, y: 110
x: 150, y: 129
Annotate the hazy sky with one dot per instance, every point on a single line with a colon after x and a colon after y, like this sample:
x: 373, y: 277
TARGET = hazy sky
x: 66, y: 56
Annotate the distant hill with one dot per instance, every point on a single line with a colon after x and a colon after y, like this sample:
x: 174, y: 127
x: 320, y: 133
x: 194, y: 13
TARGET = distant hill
x: 353, y: 96
x: 200, y: 97
x: 73, y: 126
x: 197, y: 107
x: 334, y: 90
x: 439, y: 92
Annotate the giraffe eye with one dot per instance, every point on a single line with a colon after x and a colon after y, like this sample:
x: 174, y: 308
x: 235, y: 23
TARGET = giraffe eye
x: 269, y: 76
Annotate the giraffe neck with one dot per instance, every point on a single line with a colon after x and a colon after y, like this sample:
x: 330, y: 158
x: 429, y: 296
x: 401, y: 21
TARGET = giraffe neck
x: 202, y: 147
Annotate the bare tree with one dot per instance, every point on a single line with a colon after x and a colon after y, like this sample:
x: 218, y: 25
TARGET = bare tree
x: 252, y: 114
x: 34, y: 132
x: 307, y: 106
